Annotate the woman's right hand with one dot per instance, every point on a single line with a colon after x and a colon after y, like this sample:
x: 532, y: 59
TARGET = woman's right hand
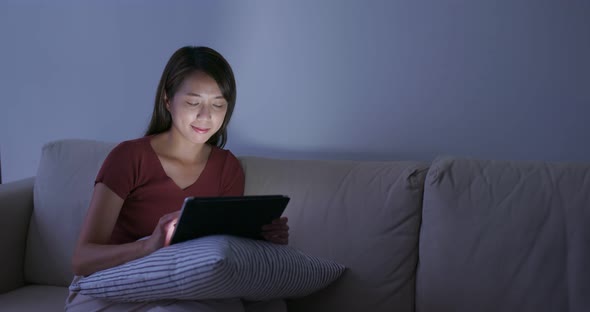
x: 94, y: 252
x: 162, y: 234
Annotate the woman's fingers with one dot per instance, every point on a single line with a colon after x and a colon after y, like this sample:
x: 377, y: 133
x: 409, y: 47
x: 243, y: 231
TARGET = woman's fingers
x: 163, y: 231
x: 281, y: 220
x: 171, y: 217
x: 275, y: 227
x: 168, y: 222
x: 277, y: 237
x: 277, y: 224
x: 277, y: 232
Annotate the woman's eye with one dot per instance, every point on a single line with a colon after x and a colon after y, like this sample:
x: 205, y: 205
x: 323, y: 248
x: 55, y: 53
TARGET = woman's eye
x: 192, y: 104
x: 218, y: 105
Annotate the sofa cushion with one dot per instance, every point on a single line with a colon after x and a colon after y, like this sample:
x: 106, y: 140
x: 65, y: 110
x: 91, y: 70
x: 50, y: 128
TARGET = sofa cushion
x: 62, y: 192
x: 213, y: 267
x: 16, y: 206
x: 504, y: 236
x: 34, y: 298
x: 364, y: 215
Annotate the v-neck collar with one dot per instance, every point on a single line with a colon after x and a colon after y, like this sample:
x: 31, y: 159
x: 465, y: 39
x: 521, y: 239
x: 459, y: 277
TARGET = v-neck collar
x: 199, y: 178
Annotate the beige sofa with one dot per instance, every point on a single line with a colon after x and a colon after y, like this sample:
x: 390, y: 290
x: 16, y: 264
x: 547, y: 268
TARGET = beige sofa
x: 451, y: 235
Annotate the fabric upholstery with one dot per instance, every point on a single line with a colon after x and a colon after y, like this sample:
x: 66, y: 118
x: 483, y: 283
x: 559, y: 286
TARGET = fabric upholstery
x: 16, y: 206
x: 34, y: 298
x: 62, y: 192
x: 81, y: 303
x: 495, y: 235
x: 505, y: 236
x: 364, y: 215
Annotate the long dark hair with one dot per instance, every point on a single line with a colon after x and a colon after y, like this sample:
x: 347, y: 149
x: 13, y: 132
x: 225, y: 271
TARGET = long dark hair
x: 184, y: 62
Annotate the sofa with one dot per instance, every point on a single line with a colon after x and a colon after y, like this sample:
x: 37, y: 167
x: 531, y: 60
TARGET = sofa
x: 454, y: 234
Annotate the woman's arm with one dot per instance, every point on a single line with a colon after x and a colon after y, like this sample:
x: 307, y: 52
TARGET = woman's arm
x: 93, y: 253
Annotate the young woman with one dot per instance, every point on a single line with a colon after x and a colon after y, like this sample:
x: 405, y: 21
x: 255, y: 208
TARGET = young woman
x: 142, y: 183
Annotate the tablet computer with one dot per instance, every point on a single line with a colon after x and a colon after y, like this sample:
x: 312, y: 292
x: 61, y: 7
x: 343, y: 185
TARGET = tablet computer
x: 239, y: 215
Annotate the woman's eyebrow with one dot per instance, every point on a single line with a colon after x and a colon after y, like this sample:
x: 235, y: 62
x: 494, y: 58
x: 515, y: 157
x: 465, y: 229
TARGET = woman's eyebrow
x: 196, y: 94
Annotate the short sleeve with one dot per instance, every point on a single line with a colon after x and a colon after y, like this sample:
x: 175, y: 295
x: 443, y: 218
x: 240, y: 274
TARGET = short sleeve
x: 233, y: 179
x: 118, y: 171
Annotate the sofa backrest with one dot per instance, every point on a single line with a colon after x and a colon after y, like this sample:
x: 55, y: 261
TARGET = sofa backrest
x: 364, y: 215
x: 504, y: 236
x: 61, y: 194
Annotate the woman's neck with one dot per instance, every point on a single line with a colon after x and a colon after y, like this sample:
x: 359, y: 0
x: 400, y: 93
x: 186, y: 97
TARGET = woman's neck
x: 176, y: 146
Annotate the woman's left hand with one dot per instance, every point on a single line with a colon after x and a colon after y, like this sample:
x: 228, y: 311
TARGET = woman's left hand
x: 277, y: 232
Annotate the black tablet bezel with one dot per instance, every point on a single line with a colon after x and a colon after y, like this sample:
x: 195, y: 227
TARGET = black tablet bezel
x: 236, y: 215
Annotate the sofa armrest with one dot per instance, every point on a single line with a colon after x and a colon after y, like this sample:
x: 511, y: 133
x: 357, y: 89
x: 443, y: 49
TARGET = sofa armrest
x: 16, y: 206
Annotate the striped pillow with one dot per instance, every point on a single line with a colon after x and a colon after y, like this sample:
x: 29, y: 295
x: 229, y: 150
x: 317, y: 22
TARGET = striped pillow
x: 213, y: 267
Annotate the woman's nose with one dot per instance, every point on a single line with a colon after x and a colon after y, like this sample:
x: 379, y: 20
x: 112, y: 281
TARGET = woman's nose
x: 204, y: 112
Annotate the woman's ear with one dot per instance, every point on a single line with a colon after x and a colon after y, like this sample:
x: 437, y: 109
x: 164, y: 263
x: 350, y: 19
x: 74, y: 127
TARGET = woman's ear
x: 166, y: 102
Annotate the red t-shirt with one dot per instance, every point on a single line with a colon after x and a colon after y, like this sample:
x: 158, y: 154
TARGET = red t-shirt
x: 133, y: 171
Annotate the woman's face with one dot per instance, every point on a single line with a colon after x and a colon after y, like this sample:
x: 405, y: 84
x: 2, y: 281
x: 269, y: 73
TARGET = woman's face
x: 198, y: 108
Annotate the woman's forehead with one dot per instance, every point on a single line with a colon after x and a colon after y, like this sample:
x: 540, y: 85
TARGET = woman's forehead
x: 200, y: 84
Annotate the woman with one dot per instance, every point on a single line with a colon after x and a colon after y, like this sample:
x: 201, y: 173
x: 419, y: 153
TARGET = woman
x: 142, y: 183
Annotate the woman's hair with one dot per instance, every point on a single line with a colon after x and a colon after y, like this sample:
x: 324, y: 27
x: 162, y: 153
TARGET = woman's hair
x: 183, y: 63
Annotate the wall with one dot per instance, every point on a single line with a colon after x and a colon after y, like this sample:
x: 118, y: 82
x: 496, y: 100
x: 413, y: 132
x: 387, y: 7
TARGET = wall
x: 316, y: 79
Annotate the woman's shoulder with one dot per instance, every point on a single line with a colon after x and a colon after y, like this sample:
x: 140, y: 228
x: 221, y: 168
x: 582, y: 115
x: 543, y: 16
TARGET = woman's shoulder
x: 231, y: 172
x: 131, y: 147
x: 223, y: 154
x: 225, y: 159
x: 142, y: 141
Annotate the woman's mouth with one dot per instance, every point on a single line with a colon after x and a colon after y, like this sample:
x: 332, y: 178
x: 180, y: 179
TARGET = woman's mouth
x: 201, y: 130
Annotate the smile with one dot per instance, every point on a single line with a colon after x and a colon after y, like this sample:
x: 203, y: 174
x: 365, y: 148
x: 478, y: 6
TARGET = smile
x: 201, y: 130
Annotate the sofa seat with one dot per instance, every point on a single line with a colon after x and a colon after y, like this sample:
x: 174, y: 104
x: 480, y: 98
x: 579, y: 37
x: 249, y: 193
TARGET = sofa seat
x: 34, y: 298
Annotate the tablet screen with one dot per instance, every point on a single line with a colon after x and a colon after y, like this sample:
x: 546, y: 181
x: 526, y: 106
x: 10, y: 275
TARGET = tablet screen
x: 240, y: 216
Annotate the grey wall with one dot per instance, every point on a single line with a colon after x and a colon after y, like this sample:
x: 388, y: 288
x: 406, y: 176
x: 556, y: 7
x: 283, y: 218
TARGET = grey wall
x: 316, y: 79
